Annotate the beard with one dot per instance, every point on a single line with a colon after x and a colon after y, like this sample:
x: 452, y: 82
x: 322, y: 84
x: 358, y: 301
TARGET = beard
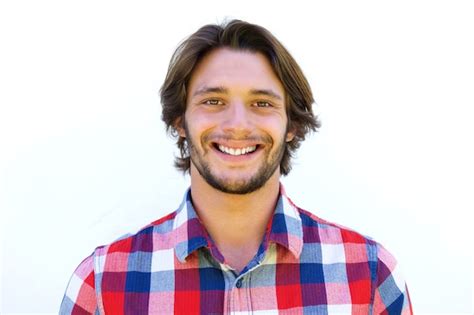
x: 242, y: 186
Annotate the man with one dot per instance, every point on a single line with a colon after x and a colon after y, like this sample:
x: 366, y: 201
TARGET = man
x: 239, y: 106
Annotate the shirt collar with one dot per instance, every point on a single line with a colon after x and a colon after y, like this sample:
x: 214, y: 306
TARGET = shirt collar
x: 190, y: 234
x: 286, y: 226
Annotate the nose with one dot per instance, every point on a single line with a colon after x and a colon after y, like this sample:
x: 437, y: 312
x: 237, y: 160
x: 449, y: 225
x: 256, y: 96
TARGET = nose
x: 238, y: 119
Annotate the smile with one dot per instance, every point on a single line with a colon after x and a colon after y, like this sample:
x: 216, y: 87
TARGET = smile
x: 236, y: 151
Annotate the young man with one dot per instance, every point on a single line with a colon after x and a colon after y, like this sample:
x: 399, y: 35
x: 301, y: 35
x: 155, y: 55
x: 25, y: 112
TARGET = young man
x: 239, y: 106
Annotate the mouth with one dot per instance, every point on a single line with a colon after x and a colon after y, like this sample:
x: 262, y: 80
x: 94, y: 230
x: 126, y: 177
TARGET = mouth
x: 236, y: 151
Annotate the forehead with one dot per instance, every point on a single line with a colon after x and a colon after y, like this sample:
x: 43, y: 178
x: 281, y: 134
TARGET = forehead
x: 237, y: 69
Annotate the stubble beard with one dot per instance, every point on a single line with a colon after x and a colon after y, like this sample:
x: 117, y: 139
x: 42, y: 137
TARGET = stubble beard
x: 240, y: 187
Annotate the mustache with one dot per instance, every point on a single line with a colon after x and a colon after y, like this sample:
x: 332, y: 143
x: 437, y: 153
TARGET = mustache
x: 229, y: 137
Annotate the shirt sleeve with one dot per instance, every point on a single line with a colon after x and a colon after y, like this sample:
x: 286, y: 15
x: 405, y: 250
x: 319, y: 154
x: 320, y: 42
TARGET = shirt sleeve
x: 391, y: 293
x: 80, y: 297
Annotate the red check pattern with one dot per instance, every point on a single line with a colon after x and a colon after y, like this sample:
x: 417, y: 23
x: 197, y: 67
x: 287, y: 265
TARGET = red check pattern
x: 305, y: 265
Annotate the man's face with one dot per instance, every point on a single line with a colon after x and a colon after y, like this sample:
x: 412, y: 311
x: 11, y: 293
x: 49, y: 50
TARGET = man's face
x: 235, y: 121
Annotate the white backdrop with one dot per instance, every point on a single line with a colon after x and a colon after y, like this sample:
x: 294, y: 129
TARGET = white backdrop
x: 85, y: 158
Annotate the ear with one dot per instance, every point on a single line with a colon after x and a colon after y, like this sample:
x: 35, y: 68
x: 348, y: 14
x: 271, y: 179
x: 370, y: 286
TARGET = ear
x: 290, y: 135
x: 179, y: 127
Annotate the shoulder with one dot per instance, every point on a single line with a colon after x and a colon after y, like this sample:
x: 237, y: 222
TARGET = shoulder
x: 80, y: 295
x: 156, y: 235
x: 332, y: 233
x: 356, y: 247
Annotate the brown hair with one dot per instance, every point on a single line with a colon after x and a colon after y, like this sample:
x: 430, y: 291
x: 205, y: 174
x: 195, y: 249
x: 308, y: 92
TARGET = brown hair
x: 238, y: 35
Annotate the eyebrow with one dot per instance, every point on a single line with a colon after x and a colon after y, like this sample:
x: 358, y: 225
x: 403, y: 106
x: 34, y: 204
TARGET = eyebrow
x: 266, y: 92
x: 207, y: 90
x: 223, y: 90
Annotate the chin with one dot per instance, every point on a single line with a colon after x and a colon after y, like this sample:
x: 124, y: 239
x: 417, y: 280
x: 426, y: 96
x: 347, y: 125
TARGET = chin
x: 241, y: 186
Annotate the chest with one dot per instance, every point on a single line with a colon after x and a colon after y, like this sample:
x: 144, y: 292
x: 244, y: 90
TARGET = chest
x: 277, y: 284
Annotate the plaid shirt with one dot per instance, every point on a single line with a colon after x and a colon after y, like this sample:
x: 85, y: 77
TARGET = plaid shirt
x: 304, y: 265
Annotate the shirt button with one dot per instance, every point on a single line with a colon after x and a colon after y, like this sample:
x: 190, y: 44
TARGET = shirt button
x: 238, y: 284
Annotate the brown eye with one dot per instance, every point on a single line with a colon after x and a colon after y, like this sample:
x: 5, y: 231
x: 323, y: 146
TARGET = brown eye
x: 262, y: 104
x: 213, y: 102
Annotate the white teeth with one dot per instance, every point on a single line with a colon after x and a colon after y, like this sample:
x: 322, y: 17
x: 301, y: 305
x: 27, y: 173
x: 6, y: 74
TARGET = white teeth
x: 240, y: 151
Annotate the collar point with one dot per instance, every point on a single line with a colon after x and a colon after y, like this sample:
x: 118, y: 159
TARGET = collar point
x: 296, y: 249
x: 180, y: 255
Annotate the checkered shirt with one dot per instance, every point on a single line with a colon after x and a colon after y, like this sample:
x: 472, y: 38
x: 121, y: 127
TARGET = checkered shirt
x: 304, y: 265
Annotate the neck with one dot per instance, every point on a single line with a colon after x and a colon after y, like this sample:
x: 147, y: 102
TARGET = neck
x: 236, y: 223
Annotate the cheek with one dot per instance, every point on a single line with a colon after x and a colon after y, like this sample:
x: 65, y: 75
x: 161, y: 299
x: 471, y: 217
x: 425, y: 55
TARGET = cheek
x: 198, y: 126
x: 276, y: 126
x: 199, y: 120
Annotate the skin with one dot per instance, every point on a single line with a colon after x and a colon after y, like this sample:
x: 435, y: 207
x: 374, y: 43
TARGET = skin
x: 235, y: 100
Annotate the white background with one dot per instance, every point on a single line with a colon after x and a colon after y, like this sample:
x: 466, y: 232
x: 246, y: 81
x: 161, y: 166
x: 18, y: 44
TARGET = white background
x: 85, y: 158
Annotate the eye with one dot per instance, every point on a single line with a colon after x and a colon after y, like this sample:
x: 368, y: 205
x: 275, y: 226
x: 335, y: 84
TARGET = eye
x: 262, y: 104
x: 213, y: 102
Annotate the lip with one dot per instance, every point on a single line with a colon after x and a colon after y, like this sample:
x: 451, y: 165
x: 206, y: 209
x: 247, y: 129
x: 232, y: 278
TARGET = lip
x: 237, y: 144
